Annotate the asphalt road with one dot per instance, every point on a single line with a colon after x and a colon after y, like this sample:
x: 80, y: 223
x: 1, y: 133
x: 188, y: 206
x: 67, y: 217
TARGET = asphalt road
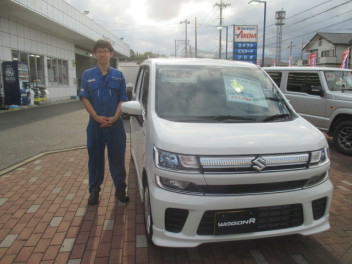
x: 27, y: 133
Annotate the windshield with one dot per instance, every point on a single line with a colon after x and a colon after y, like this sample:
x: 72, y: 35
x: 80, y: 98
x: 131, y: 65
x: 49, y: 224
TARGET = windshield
x: 339, y: 80
x: 218, y: 94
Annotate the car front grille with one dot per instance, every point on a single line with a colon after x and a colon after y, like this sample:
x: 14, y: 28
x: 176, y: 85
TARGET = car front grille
x: 241, y: 189
x: 254, y: 163
x: 268, y: 218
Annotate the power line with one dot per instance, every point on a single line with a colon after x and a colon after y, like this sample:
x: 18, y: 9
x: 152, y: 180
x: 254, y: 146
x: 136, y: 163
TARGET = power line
x: 318, y: 14
x: 320, y: 21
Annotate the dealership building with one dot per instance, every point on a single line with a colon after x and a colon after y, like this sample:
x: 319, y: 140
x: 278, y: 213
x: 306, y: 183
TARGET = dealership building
x: 55, y: 40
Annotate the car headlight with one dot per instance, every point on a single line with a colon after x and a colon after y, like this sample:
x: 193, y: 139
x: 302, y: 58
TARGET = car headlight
x: 319, y: 157
x: 173, y: 161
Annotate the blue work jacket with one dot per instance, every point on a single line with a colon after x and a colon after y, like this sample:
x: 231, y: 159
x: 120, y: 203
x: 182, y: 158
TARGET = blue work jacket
x: 103, y: 92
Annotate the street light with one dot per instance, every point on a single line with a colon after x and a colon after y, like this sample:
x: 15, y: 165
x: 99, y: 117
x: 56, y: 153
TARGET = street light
x: 256, y: 2
x: 227, y: 28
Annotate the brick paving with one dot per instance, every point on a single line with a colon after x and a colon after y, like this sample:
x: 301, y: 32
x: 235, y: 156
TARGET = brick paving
x: 45, y: 218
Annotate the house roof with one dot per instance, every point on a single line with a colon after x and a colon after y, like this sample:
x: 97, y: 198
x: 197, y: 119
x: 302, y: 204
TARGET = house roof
x: 334, y: 38
x: 337, y: 38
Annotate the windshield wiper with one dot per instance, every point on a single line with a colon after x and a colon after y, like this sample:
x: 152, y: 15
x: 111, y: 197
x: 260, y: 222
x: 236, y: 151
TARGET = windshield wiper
x: 230, y: 117
x: 275, y: 117
x: 207, y: 118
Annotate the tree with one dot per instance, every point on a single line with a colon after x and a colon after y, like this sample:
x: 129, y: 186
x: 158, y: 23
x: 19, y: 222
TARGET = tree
x: 139, y: 57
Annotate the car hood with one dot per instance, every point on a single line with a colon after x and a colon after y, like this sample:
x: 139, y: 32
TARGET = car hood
x: 236, y: 138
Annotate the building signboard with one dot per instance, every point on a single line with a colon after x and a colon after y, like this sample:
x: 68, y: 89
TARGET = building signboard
x: 245, y: 43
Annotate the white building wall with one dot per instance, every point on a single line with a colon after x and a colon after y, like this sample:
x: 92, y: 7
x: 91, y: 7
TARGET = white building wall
x: 18, y: 36
x: 65, y: 15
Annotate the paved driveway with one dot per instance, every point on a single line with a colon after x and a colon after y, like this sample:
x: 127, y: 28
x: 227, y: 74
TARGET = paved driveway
x: 44, y: 218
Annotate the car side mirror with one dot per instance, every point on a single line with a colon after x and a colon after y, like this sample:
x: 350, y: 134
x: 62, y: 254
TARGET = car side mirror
x: 133, y: 108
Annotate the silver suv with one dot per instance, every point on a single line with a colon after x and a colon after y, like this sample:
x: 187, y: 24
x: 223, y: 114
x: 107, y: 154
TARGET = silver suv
x: 321, y: 95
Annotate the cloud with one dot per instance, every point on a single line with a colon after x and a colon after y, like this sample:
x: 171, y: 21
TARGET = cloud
x: 163, y: 10
x: 154, y: 25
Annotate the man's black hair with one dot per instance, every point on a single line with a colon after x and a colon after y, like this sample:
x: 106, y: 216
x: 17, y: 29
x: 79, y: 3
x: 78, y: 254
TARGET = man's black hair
x: 103, y: 44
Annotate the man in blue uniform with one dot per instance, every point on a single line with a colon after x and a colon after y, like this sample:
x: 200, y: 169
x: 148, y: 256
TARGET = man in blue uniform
x: 102, y: 91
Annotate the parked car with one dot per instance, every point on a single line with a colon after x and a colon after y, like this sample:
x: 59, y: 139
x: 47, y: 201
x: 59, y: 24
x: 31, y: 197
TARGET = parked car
x: 321, y: 95
x: 221, y: 155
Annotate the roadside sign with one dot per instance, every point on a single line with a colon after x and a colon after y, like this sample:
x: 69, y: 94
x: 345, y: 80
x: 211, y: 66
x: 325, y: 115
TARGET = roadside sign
x: 245, y: 43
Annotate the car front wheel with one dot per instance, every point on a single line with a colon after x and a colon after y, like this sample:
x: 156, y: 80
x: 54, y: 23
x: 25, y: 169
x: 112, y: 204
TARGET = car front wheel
x: 342, y: 137
x: 148, y: 219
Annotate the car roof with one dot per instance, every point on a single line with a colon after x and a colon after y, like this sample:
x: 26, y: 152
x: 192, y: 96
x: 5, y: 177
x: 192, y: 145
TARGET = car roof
x: 303, y: 68
x: 198, y: 62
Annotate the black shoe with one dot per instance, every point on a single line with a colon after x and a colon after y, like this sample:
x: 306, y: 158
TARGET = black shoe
x: 121, y: 195
x: 93, y: 198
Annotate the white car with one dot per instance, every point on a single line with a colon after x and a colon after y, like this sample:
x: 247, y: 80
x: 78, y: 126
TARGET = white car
x: 221, y: 155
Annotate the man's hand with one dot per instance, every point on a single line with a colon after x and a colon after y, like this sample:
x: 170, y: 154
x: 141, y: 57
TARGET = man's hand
x: 103, y: 121
x: 112, y: 119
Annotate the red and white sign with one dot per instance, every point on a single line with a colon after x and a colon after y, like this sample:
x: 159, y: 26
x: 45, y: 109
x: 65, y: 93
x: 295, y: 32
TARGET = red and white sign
x: 290, y: 61
x: 344, y: 61
x: 313, y: 59
x: 245, y: 33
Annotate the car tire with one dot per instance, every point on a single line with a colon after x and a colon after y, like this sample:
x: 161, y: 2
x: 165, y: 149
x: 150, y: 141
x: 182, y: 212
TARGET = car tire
x: 148, y: 218
x: 342, y: 137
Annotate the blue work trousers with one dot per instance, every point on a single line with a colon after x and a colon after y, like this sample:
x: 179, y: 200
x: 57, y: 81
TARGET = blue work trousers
x: 114, y: 138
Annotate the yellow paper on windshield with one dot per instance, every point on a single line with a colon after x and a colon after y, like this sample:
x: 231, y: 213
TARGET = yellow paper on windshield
x: 244, y: 90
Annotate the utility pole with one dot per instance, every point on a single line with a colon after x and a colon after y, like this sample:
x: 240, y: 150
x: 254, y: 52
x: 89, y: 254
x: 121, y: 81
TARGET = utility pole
x: 291, y: 46
x: 221, y: 5
x: 290, y: 59
x: 185, y: 22
x: 195, y: 38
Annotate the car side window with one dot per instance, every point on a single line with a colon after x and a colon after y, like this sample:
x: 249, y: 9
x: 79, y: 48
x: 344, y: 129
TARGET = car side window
x: 137, y: 89
x: 145, y: 90
x: 304, y: 82
x: 276, y: 76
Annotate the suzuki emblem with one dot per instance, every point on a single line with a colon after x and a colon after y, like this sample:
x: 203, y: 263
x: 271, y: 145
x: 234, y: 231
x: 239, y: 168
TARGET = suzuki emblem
x: 258, y: 164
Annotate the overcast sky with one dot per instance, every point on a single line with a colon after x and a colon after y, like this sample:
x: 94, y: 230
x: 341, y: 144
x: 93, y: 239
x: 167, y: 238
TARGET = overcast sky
x: 154, y: 25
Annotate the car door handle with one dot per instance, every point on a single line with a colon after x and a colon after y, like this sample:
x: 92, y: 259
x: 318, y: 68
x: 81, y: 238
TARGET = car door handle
x: 288, y: 98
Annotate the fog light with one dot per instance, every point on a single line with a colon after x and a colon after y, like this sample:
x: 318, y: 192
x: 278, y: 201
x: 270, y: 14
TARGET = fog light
x: 171, y: 184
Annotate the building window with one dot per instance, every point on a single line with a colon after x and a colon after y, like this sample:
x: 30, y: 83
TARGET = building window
x: 24, y: 57
x: 328, y: 53
x: 57, y: 68
x: 35, y: 65
x: 19, y: 56
x: 57, y: 71
x: 15, y: 55
x: 320, y: 41
x: 36, y: 68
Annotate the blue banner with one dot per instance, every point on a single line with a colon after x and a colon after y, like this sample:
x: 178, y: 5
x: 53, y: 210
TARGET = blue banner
x: 245, y: 45
x: 245, y: 51
x: 246, y: 57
